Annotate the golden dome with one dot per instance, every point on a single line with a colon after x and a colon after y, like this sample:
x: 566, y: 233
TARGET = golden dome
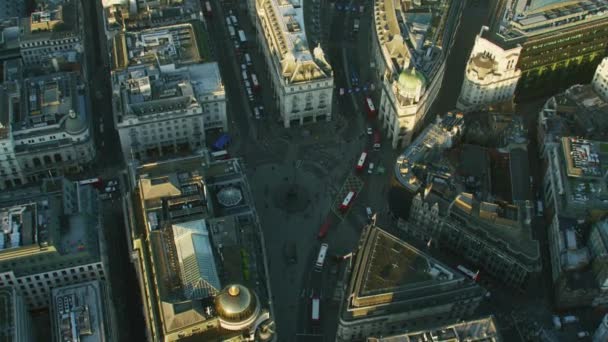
x: 235, y: 303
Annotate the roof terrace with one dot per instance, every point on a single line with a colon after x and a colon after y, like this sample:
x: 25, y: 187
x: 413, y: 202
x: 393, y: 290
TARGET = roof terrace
x: 168, y: 45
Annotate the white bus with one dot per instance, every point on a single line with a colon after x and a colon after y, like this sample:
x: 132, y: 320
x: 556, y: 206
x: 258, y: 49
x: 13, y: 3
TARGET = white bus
x: 361, y: 162
x: 321, y: 257
x: 315, y: 314
x: 347, y: 201
x: 242, y: 37
x: 468, y: 272
x: 220, y: 155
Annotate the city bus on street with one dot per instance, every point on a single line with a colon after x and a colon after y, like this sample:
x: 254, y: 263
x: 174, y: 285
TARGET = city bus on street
x: 371, y: 109
x: 321, y: 257
x: 231, y: 31
x: 94, y: 182
x: 220, y: 155
x: 242, y: 38
x: 377, y: 140
x: 315, y: 305
x: 347, y: 201
x: 361, y: 161
x: 254, y: 82
x: 208, y: 11
x: 468, y: 272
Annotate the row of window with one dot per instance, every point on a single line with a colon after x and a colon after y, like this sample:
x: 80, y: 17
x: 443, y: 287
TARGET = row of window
x: 48, y: 42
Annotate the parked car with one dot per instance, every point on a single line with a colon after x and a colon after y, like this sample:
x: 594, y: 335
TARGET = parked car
x: 370, y: 131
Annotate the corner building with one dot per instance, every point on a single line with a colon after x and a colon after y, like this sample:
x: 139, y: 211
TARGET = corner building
x: 393, y: 286
x: 410, y: 45
x: 490, y: 76
x: 562, y: 41
x: 302, y: 81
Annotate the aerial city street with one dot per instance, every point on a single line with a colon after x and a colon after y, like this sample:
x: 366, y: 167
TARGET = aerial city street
x: 304, y: 170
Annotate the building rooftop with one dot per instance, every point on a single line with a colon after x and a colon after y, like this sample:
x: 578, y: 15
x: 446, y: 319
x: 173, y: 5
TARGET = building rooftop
x: 194, y: 238
x: 579, y: 111
x: 79, y: 312
x: 294, y: 58
x: 148, y: 90
x: 42, y: 105
x: 428, y: 145
x: 415, y: 32
x: 164, y: 46
x: 584, y: 164
x: 503, y: 225
x: 478, y: 330
x: 128, y: 14
x: 52, y: 20
x: 46, y: 228
x: 390, y: 273
x: 544, y: 17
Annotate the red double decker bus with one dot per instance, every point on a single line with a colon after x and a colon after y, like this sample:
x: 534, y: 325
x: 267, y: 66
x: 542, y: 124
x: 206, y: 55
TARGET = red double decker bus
x: 371, y: 109
x: 361, y: 161
x: 348, y: 200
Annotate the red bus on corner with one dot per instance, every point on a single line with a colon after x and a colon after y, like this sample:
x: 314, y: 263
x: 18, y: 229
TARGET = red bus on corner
x: 361, y: 161
x: 348, y: 200
x: 371, y: 109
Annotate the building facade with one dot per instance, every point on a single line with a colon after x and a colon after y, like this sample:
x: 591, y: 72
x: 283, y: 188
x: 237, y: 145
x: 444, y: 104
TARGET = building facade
x: 15, y: 317
x: 409, y: 49
x: 381, y: 300
x: 49, y: 237
x: 490, y: 76
x: 562, y: 41
x: 475, y: 236
x: 163, y: 112
x: 600, y: 79
x: 302, y: 80
x: 475, y: 330
x: 44, y: 127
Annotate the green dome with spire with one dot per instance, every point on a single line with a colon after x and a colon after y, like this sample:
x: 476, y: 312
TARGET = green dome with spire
x: 411, y: 78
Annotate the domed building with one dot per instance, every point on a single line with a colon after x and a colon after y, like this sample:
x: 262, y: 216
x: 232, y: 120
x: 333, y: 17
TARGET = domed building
x: 491, y: 75
x: 410, y: 58
x: 238, y: 309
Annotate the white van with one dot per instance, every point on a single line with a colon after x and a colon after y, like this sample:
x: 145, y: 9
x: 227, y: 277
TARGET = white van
x: 245, y: 75
x: 370, y: 168
x: 256, y: 112
x: 247, y: 59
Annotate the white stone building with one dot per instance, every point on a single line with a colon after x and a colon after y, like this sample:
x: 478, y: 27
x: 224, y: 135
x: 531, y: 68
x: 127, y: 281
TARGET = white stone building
x: 600, y: 79
x: 302, y: 81
x: 44, y: 128
x: 410, y: 57
x: 491, y: 75
x: 162, y: 112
